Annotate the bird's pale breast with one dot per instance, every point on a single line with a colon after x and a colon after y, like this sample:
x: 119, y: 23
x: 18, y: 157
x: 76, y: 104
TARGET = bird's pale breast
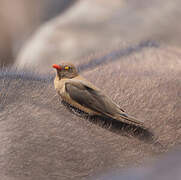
x: 60, y: 88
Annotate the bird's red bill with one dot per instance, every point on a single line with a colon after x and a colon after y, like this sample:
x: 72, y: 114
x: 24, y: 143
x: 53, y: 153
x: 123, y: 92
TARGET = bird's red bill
x: 56, y: 66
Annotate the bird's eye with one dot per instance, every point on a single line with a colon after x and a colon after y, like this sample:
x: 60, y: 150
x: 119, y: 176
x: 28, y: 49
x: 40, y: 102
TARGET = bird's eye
x: 66, y: 67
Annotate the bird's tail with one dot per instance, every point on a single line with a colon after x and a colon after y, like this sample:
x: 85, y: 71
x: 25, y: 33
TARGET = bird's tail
x: 130, y: 120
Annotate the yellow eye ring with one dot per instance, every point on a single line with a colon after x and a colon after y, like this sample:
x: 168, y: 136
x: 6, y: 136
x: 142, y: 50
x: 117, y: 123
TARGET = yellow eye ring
x: 66, y: 67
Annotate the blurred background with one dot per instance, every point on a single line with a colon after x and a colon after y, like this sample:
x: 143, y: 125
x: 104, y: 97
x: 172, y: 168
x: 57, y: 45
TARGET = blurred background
x: 20, y: 19
x: 49, y: 31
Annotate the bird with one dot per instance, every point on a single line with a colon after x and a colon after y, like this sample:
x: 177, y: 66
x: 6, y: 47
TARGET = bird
x: 78, y: 92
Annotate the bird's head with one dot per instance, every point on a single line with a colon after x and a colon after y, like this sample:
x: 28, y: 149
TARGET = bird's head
x: 65, y: 70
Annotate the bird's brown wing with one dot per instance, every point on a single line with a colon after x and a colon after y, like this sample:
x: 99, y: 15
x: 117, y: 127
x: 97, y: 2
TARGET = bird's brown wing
x: 97, y: 101
x: 91, y: 98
